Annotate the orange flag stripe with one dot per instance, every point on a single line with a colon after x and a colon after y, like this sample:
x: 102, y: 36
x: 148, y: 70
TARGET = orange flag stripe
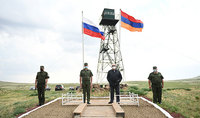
x: 130, y: 28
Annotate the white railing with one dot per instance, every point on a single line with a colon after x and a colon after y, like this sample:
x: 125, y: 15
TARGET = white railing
x: 125, y: 98
x: 72, y: 98
x: 129, y: 98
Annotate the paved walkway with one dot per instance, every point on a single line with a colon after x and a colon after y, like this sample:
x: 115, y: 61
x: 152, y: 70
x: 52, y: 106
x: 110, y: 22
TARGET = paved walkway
x: 99, y: 108
x: 98, y: 111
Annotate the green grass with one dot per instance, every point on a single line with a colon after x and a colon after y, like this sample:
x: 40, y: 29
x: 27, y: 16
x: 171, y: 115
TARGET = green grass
x: 178, y: 96
x: 16, y: 98
x: 139, y: 91
x: 181, y: 97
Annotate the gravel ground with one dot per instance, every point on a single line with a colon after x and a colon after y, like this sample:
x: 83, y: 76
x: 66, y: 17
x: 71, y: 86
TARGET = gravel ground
x: 56, y: 110
x: 145, y: 110
x: 53, y: 110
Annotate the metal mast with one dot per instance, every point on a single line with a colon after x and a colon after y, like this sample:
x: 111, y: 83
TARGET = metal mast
x: 110, y: 47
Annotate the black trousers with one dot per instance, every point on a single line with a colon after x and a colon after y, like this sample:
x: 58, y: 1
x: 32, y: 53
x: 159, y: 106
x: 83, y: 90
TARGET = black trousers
x: 116, y: 88
x: 41, y: 94
x: 157, y: 94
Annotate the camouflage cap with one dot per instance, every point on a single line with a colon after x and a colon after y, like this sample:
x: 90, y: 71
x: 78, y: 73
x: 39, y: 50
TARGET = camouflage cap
x: 85, y: 64
x: 154, y: 67
x: 41, y: 66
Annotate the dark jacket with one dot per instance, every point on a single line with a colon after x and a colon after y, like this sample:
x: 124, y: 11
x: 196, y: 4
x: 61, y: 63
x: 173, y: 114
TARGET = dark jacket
x: 156, y: 79
x: 114, y: 77
x: 41, y: 76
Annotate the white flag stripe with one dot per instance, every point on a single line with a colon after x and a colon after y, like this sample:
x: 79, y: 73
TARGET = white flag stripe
x: 85, y: 20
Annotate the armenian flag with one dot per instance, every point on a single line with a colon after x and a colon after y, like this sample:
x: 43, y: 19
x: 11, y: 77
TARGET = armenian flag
x: 90, y: 29
x: 130, y: 23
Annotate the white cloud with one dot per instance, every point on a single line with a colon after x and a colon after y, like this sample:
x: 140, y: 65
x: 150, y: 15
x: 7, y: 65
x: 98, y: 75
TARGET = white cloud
x: 35, y: 32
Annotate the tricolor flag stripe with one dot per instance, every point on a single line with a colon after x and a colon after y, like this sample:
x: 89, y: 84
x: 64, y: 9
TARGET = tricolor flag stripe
x: 133, y: 24
x: 90, y: 29
x: 102, y: 33
x: 130, y: 23
x: 85, y: 20
x: 93, y: 34
x: 130, y: 28
x: 125, y: 15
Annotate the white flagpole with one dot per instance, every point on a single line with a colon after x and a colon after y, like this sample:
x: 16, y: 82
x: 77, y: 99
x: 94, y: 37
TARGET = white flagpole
x: 119, y: 25
x: 82, y: 39
x: 124, y: 78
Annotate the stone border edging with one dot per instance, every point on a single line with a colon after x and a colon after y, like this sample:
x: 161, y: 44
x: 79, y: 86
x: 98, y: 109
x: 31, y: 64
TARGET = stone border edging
x: 158, y: 107
x: 25, y: 114
x: 155, y: 105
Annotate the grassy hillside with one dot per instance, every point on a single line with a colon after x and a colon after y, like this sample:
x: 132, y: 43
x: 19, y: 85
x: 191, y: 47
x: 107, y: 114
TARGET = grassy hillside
x: 182, y: 96
x: 195, y: 79
x: 16, y: 98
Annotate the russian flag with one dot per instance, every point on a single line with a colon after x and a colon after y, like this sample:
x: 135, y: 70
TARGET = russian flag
x: 90, y: 29
x: 130, y: 23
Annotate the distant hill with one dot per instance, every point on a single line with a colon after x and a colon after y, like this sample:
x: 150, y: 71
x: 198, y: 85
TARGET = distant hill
x: 194, y: 79
x: 14, y: 85
x: 4, y: 82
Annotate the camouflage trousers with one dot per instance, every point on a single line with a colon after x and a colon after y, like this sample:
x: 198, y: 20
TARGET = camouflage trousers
x: 86, y: 90
x: 157, y: 94
x: 41, y: 94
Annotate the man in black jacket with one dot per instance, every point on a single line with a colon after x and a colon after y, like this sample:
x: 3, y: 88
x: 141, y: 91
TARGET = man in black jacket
x: 114, y: 77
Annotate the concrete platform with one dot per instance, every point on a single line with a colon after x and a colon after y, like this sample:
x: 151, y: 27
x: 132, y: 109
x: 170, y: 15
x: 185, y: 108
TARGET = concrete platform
x: 55, y: 109
x: 99, y: 109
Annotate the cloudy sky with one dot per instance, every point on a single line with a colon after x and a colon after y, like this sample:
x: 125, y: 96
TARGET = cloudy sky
x: 48, y: 32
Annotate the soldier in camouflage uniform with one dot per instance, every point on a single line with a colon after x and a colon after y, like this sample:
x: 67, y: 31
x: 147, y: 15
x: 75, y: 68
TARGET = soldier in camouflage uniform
x: 41, y: 84
x: 86, y: 82
x: 156, y: 83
